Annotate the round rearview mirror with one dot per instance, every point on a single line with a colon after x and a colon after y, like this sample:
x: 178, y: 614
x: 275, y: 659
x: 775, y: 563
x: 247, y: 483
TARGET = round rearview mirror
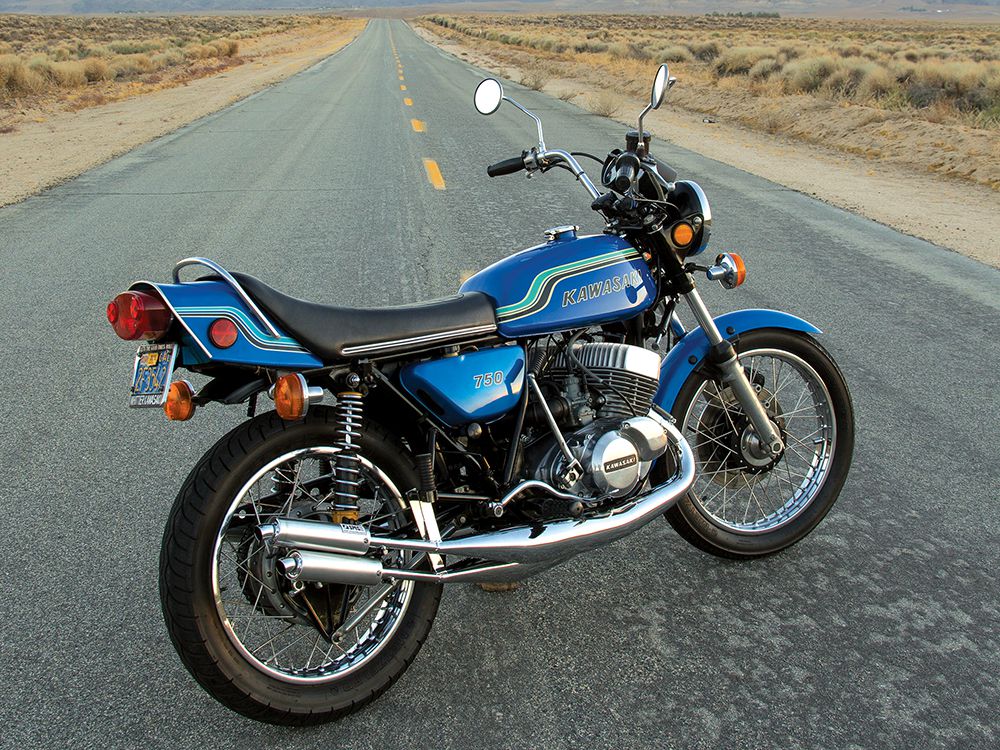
x: 489, y: 94
x: 660, y: 84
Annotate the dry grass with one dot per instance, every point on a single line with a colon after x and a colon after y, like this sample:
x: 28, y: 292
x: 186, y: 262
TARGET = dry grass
x: 935, y: 71
x: 605, y: 103
x: 54, y: 55
x: 534, y: 80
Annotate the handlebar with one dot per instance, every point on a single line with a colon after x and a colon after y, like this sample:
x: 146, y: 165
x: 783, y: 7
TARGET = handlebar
x: 507, y: 166
x: 544, y: 159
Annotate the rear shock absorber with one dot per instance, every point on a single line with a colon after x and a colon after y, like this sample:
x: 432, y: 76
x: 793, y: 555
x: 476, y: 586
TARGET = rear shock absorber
x: 347, y: 463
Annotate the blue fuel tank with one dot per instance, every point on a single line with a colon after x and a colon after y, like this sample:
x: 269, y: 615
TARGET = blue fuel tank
x: 569, y: 282
x: 476, y: 387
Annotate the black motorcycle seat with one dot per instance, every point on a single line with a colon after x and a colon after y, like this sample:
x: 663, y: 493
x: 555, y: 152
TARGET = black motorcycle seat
x: 334, y: 333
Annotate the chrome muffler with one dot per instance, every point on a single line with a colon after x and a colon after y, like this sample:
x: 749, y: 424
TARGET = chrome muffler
x: 328, y: 567
x: 532, y: 546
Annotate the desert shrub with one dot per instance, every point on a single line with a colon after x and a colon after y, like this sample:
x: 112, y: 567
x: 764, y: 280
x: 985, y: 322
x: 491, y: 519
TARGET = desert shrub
x: 675, y: 53
x: 96, y: 69
x: 960, y: 82
x: 134, y: 47
x: 168, y: 59
x: 125, y: 66
x: 605, y: 103
x: 878, y: 83
x: 808, y: 74
x: 704, y: 51
x: 18, y: 78
x: 791, y: 51
x: 763, y: 69
x: 848, y: 76
x: 590, y: 47
x: 739, y: 60
x: 534, y: 80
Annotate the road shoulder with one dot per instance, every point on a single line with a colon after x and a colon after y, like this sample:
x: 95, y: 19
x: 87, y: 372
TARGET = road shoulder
x: 953, y: 213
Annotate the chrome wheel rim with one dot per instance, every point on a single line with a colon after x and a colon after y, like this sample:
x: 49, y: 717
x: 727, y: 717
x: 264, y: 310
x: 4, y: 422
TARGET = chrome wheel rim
x: 261, y: 617
x: 734, y: 489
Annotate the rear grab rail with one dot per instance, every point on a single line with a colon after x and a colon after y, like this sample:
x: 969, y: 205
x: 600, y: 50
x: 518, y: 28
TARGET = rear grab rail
x: 228, y: 278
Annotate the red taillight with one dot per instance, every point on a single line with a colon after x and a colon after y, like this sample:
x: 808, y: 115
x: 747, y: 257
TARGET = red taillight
x: 222, y: 333
x: 138, y: 315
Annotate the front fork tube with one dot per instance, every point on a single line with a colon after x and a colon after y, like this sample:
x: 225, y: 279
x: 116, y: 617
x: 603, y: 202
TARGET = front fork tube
x: 724, y: 358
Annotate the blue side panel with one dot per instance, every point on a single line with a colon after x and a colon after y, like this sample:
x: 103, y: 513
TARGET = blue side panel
x: 198, y: 303
x: 476, y: 387
x: 677, y: 366
x: 565, y: 284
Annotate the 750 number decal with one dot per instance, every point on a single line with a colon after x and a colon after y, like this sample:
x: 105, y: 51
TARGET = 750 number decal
x: 488, y: 378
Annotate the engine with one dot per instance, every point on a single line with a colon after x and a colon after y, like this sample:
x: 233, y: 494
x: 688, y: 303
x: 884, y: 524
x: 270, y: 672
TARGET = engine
x: 602, y: 394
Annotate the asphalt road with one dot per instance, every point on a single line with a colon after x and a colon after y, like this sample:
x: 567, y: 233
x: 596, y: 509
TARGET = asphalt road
x: 879, y: 631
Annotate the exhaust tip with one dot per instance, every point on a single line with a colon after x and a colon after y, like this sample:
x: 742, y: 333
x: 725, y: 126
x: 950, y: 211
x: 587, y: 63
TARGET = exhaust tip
x: 266, y: 532
x: 291, y: 566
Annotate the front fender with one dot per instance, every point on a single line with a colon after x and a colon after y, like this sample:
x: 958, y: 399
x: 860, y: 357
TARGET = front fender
x: 688, y: 354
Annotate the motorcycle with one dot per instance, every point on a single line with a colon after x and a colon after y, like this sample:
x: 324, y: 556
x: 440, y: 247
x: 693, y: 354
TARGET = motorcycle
x: 555, y: 404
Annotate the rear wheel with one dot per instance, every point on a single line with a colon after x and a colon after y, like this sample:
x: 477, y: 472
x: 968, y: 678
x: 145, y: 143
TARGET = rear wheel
x: 747, y: 504
x: 265, y: 646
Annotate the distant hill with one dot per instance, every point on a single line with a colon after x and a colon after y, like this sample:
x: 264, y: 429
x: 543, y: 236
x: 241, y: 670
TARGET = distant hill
x: 854, y: 8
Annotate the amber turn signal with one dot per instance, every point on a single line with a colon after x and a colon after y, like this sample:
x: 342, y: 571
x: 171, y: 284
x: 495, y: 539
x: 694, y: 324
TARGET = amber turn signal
x: 291, y: 397
x: 179, y: 406
x: 741, y: 268
x: 682, y: 234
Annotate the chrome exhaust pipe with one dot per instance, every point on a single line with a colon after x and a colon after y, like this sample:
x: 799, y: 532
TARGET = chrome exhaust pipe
x: 305, y: 565
x: 349, y: 538
x: 326, y: 567
x: 530, y: 545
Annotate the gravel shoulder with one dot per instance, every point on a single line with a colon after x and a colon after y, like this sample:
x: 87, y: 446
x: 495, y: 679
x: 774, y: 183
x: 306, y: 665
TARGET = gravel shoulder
x: 48, y: 147
x: 953, y: 213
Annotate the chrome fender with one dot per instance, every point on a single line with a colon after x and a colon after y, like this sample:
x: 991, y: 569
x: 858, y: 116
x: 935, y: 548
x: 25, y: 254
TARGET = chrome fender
x: 688, y: 353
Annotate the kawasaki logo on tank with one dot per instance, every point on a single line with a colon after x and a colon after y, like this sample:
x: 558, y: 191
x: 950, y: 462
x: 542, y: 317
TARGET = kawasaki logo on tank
x: 597, y: 289
x: 539, y: 294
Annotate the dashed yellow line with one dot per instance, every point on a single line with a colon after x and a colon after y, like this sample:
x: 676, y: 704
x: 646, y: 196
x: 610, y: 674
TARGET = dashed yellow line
x: 419, y: 126
x: 434, y: 174
x: 402, y: 87
x: 401, y: 78
x: 408, y: 102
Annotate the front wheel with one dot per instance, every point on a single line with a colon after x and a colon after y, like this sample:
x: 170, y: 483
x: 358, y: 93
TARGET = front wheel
x: 261, y: 645
x: 743, y: 504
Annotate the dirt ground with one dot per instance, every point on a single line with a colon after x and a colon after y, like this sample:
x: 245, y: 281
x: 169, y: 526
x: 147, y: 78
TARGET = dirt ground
x: 52, y: 142
x: 951, y: 212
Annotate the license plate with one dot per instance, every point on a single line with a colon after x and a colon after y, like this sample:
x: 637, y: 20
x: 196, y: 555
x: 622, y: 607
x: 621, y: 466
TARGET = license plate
x: 154, y: 366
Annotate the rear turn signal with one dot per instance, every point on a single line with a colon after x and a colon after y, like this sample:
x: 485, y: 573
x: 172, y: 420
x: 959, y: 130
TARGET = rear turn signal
x: 139, y: 315
x: 179, y: 406
x: 290, y: 397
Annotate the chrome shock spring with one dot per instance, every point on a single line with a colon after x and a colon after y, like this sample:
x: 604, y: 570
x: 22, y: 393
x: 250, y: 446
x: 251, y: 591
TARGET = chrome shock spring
x: 348, y: 440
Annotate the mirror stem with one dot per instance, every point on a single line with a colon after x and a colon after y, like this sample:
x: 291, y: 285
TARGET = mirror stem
x: 533, y: 116
x: 640, y: 148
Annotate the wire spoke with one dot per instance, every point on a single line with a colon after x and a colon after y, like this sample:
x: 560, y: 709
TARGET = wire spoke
x: 272, y: 624
x: 742, y: 496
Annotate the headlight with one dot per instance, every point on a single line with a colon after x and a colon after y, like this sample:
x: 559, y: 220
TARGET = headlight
x: 693, y: 205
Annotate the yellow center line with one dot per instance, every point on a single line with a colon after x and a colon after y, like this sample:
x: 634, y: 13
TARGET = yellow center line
x: 402, y: 87
x: 408, y: 102
x: 434, y: 174
x: 401, y: 78
x: 419, y: 126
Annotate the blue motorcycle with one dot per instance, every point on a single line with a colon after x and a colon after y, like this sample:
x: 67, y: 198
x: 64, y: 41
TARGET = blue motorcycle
x: 555, y: 404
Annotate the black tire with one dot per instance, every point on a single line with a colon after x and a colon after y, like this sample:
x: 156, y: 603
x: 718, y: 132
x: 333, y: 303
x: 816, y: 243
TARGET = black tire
x: 688, y: 517
x: 186, y: 587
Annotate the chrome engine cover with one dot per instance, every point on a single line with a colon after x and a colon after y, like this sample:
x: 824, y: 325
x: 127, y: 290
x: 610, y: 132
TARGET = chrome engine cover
x: 616, y: 456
